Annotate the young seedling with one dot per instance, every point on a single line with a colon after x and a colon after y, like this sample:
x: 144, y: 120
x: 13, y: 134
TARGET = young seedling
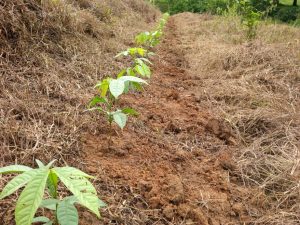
x: 148, y: 39
x: 139, y: 60
x: 250, y: 18
x: 152, y: 38
x: 47, y: 177
x: 109, y: 92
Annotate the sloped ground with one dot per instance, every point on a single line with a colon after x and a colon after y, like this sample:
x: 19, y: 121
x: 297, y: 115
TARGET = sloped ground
x: 217, y: 138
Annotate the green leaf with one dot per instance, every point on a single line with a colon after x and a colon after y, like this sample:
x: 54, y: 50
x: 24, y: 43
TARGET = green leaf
x: 137, y: 86
x: 130, y: 72
x: 14, y: 169
x: 52, y: 183
x: 51, y: 163
x: 130, y: 111
x: 120, y: 119
x: 67, y: 213
x: 141, y: 51
x: 71, y: 172
x: 127, y: 87
x: 116, y: 87
x: 81, y: 188
x: 40, y: 164
x: 71, y: 199
x: 96, y: 100
x: 31, y: 198
x: 132, y: 79
x: 143, y: 70
x: 18, y: 182
x: 145, y: 60
x: 101, y: 204
x: 42, y: 219
x: 49, y: 203
x: 121, y: 73
x: 103, y: 86
x: 125, y: 53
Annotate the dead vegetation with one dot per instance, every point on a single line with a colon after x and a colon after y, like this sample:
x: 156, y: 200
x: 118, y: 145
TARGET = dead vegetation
x: 254, y: 86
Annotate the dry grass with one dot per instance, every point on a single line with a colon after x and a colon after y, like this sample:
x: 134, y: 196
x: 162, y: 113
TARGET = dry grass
x: 255, y: 87
x: 51, y: 55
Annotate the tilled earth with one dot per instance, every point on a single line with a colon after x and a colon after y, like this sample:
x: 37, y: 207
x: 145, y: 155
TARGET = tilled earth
x: 172, y: 164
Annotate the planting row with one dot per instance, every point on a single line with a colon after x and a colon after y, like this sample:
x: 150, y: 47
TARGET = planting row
x: 41, y: 184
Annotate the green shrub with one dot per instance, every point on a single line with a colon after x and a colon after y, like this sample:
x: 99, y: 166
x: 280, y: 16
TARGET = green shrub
x: 287, y: 13
x: 216, y: 6
x: 261, y: 5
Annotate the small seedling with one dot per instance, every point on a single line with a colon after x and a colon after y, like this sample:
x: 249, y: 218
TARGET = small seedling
x: 139, y: 60
x: 109, y: 92
x: 250, y: 18
x: 46, y: 177
x: 152, y: 38
x: 148, y: 39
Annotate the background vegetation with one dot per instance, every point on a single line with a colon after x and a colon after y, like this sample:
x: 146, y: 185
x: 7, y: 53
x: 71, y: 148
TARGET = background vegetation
x: 282, y: 10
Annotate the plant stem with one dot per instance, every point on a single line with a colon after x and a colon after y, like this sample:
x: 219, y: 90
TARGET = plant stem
x: 110, y: 135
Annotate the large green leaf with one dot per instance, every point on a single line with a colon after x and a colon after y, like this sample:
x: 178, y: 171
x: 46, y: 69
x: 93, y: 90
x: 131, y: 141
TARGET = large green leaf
x: 132, y: 79
x: 81, y: 188
x: 18, y: 182
x: 49, y: 203
x: 31, y: 198
x: 116, y: 87
x: 14, y: 169
x: 67, y: 213
x: 120, y: 118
